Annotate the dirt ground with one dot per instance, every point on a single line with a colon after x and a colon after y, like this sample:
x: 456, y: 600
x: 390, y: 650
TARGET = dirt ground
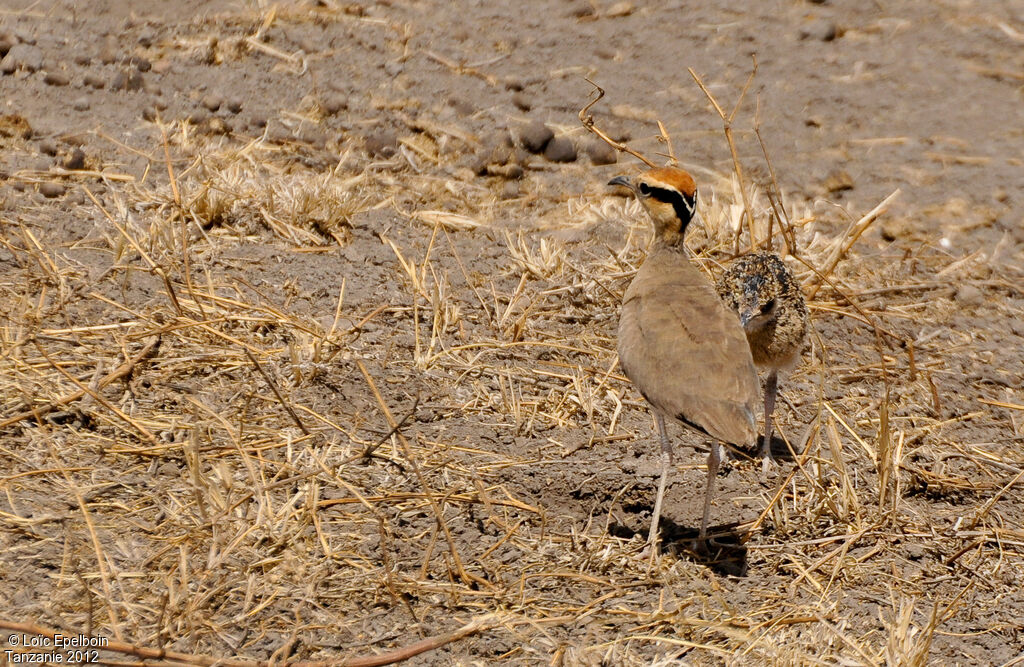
x: 307, y: 331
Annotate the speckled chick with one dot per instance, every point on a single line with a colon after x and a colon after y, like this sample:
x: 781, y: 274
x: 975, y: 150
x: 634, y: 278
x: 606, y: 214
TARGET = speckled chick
x: 772, y: 310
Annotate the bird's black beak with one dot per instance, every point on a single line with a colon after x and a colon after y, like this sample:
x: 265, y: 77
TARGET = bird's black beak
x: 621, y: 180
x: 749, y: 320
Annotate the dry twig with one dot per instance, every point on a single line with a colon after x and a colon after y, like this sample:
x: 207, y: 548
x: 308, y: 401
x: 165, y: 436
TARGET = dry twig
x: 587, y: 119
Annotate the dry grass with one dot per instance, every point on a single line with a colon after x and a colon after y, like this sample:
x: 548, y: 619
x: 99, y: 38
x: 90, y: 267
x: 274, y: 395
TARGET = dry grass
x: 195, y: 460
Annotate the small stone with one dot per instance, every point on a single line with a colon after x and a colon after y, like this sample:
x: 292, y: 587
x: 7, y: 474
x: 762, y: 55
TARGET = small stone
x: 393, y: 68
x: 142, y: 64
x: 514, y: 83
x: 334, y: 103
x: 162, y: 66
x: 108, y: 51
x: 135, y: 81
x: 522, y: 101
x: 146, y: 38
x: 889, y: 232
x: 822, y: 30
x: 1017, y: 326
x: 48, y: 147
x: 22, y: 56
x: 211, y: 102
x: 208, y: 55
x: 218, y: 126
x: 151, y: 112
x: 497, y: 150
x: 312, y: 135
x: 168, y: 469
x: 94, y: 80
x: 56, y: 79
x: 234, y: 105
x: 80, y: 104
x: 278, y: 133
x: 199, y: 117
x: 510, y: 171
x: 969, y: 295
x: 560, y: 149
x: 119, y: 81
x: 381, y: 144
x: 51, y: 190
x: 535, y: 136
x: 581, y: 10
x: 76, y: 160
x: 82, y: 59
x: 510, y: 190
x: 7, y: 41
x: 461, y: 106
x: 600, y: 153
x: 837, y: 180
x: 620, y: 9
x: 478, y: 164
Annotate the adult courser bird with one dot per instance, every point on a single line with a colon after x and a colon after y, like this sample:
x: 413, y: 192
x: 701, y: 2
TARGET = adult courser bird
x: 681, y: 346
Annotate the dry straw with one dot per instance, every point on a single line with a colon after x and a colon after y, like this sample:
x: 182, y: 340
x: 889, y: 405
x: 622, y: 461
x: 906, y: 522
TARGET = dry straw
x: 196, y: 465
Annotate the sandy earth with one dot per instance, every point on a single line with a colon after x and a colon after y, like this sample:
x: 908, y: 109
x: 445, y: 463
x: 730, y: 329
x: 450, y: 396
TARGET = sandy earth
x: 355, y: 208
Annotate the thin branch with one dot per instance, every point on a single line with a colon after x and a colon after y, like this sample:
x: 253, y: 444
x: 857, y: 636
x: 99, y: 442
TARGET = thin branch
x: 588, y: 122
x: 746, y: 87
x: 273, y: 388
x: 434, y: 505
x: 97, y: 397
x: 775, y: 195
x: 368, y: 452
x: 664, y: 138
x: 852, y: 234
x: 124, y: 369
x: 478, y: 624
x: 727, y: 127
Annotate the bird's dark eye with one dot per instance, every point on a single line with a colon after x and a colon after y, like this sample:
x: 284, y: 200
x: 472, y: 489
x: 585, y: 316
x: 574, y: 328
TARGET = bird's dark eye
x: 644, y: 189
x: 768, y: 306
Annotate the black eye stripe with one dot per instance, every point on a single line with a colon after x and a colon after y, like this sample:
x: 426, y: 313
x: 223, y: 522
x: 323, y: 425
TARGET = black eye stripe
x: 683, y: 205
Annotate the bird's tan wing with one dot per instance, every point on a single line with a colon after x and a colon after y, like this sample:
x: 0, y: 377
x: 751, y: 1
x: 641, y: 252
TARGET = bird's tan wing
x: 685, y: 350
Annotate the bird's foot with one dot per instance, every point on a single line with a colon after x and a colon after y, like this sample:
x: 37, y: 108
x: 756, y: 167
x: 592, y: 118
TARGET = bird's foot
x: 702, y: 545
x: 767, y: 463
x: 650, y: 554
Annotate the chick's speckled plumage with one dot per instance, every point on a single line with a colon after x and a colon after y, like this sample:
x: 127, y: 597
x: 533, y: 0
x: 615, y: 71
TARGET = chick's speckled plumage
x: 762, y: 289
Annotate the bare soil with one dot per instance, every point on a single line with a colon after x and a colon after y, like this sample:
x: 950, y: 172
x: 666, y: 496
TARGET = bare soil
x: 306, y: 356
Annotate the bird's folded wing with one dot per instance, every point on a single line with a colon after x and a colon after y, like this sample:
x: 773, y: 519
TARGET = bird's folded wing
x: 687, y: 353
